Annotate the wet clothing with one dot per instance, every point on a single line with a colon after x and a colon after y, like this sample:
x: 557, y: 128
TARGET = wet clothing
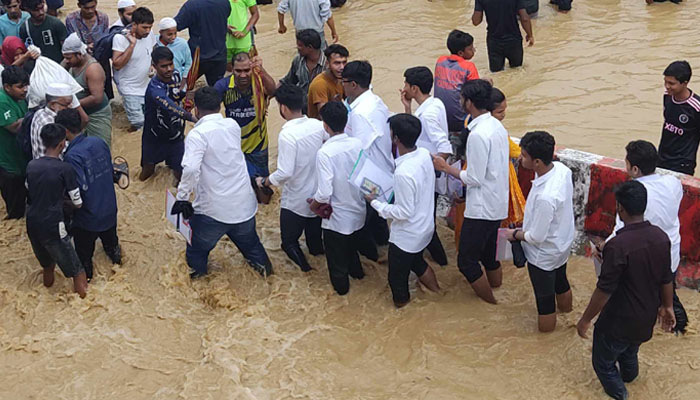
x: 680, y: 135
x: 450, y: 73
x: 547, y: 284
x: 503, y: 37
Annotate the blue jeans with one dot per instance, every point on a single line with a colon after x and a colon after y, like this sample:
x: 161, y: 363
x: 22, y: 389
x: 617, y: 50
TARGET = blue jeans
x: 608, y: 351
x: 207, y: 231
x: 257, y: 163
x: 133, y: 106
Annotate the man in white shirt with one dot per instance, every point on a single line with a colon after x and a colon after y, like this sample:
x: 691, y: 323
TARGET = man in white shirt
x: 664, y: 195
x: 433, y: 135
x: 131, y: 59
x: 486, y: 180
x: 299, y: 141
x: 367, y: 121
x: 214, y: 168
x: 412, y: 219
x: 548, y: 227
x: 341, y: 204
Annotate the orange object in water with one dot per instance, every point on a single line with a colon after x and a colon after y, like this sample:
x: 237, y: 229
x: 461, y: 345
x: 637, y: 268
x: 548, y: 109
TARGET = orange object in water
x: 192, y: 77
x: 259, y: 99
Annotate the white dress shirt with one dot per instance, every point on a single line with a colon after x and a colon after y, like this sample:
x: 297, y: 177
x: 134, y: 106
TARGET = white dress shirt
x: 548, y: 222
x: 299, y: 141
x: 486, y: 176
x: 433, y: 119
x: 664, y: 195
x: 214, y: 167
x: 334, y: 163
x: 412, y: 220
x: 368, y: 121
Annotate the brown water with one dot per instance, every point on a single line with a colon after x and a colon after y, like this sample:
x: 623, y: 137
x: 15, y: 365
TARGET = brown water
x: 146, y: 332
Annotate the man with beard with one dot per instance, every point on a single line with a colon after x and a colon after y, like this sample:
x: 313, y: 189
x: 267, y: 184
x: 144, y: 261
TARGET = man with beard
x: 10, y: 22
x: 125, y: 9
x: 44, y: 31
x: 242, y: 103
x: 163, y: 136
x: 308, y: 63
x: 328, y: 86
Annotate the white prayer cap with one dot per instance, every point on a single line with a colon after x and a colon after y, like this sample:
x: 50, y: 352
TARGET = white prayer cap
x: 125, y: 3
x: 167, y: 23
x: 59, y: 90
x: 73, y: 44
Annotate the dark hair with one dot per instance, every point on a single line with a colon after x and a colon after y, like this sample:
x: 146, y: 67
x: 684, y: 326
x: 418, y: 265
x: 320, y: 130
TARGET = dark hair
x: 338, y: 49
x: 421, y: 77
x: 240, y: 56
x: 642, y: 154
x: 406, y: 128
x: 52, y: 135
x: 497, y: 97
x: 13, y: 75
x: 142, y: 15
x: 539, y: 145
x: 335, y: 115
x: 83, y: 2
x: 310, y: 38
x: 458, y: 41
x: 478, y: 91
x: 30, y: 5
x: 359, y: 72
x: 632, y: 196
x: 161, y: 53
x: 7, y: 2
x: 69, y: 119
x: 291, y: 96
x: 680, y: 70
x: 207, y: 98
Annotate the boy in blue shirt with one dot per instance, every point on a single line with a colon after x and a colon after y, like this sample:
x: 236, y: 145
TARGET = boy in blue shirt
x: 182, y: 57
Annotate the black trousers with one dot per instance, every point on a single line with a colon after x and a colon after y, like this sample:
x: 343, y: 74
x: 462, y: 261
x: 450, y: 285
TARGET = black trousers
x: 679, y: 310
x: 401, y: 263
x: 85, y: 244
x: 14, y: 193
x: 213, y: 70
x: 477, y: 243
x: 291, y: 228
x: 376, y: 227
x: 437, y: 252
x: 499, y: 50
x: 342, y: 258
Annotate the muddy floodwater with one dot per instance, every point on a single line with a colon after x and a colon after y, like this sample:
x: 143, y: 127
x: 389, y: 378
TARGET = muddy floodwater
x: 146, y: 331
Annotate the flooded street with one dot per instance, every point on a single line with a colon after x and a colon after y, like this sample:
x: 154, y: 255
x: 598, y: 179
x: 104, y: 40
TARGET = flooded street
x: 145, y: 331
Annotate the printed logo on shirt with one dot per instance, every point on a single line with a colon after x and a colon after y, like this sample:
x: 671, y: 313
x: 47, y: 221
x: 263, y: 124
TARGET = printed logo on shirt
x: 673, y: 129
x: 683, y: 119
x: 62, y: 230
x: 7, y: 115
x: 47, y: 37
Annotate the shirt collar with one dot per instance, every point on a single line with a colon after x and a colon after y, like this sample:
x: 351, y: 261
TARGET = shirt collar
x: 476, y: 121
x: 294, y: 122
x: 425, y: 105
x: 74, y: 142
x: 406, y: 156
x: 634, y: 227
x: 648, y: 178
x: 337, y: 137
x: 540, y: 180
x: 210, y: 117
x: 364, y: 96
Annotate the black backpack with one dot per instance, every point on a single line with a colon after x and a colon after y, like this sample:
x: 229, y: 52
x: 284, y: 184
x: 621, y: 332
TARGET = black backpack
x: 102, y: 51
x: 24, y: 134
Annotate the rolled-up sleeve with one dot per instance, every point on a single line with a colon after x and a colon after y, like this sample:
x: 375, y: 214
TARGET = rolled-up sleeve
x: 283, y: 7
x: 324, y: 176
x: 325, y: 9
x: 195, y: 148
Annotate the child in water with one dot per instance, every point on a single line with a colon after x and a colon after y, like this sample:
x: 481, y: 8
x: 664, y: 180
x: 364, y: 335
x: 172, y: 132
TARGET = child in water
x: 181, y: 50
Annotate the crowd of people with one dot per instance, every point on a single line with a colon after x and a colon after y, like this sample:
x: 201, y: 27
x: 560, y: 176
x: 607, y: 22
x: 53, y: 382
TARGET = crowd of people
x: 56, y: 167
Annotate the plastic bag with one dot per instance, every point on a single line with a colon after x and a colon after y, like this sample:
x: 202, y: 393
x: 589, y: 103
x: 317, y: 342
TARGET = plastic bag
x: 46, y: 72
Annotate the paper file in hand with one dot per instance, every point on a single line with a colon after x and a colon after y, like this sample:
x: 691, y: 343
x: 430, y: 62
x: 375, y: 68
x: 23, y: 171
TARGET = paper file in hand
x: 182, y: 225
x: 371, y: 179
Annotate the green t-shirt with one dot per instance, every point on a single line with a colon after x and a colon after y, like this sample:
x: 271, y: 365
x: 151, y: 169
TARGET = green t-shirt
x: 11, y: 158
x: 239, y: 19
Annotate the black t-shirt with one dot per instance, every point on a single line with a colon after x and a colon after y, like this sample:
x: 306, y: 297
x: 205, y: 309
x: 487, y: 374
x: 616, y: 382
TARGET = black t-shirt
x: 49, y: 180
x: 681, y: 134
x: 636, y: 263
x: 501, y: 18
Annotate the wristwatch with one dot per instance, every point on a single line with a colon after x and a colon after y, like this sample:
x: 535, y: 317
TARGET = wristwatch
x: 514, y: 233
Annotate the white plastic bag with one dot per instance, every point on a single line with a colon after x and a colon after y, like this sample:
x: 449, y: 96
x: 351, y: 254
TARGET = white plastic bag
x: 46, y: 71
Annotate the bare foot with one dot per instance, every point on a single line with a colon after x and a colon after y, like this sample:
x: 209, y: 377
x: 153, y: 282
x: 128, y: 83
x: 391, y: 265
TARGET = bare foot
x: 80, y: 284
x: 48, y: 276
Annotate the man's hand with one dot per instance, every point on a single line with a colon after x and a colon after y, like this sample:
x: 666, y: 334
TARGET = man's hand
x: 259, y: 182
x: 231, y: 29
x: 132, y: 39
x: 405, y: 101
x: 371, y: 196
x: 530, y: 40
x: 509, y: 234
x: 667, y: 318
x: 440, y: 164
x: 239, y: 34
x: 582, y: 328
x: 256, y: 62
x: 282, y: 29
x: 334, y: 35
x: 182, y: 207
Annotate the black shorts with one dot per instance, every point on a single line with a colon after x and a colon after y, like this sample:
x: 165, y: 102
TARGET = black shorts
x: 477, y: 244
x: 547, y: 285
x: 57, y: 251
x: 499, y: 50
x: 154, y: 151
x: 401, y: 263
